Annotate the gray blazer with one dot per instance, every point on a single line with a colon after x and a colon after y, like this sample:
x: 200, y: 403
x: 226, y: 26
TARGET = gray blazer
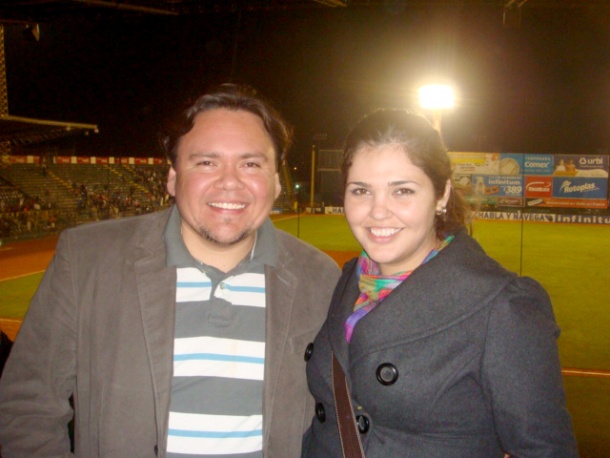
x: 459, y: 361
x: 101, y: 328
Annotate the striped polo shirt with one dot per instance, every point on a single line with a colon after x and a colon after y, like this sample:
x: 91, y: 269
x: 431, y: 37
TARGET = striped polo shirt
x: 216, y: 405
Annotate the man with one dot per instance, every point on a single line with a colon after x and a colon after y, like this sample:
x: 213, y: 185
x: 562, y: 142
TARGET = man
x: 181, y: 332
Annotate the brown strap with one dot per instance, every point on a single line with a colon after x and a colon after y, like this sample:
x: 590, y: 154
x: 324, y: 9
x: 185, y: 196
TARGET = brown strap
x: 348, y: 431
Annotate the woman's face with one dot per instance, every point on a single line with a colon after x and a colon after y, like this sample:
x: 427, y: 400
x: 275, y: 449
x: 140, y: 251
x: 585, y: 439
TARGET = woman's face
x: 390, y: 205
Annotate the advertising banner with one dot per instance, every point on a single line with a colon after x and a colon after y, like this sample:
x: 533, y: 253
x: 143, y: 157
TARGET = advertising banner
x: 581, y: 166
x: 545, y: 180
x: 497, y: 189
x: 554, y: 202
x: 539, y: 186
x: 538, y: 164
x: 580, y: 187
x: 475, y: 163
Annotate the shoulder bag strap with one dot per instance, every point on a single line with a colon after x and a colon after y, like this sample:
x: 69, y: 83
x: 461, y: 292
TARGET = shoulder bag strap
x: 348, y: 431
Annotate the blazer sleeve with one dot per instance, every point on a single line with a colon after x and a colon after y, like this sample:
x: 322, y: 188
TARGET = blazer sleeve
x: 39, y: 377
x: 522, y: 374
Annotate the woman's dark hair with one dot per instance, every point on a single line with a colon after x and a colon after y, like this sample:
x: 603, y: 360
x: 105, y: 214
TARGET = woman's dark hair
x: 233, y: 97
x: 425, y: 148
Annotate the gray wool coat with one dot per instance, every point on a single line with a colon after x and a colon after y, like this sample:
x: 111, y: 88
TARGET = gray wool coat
x: 459, y: 361
x: 101, y: 328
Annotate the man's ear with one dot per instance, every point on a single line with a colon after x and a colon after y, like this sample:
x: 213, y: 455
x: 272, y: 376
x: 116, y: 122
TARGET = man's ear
x: 171, y: 181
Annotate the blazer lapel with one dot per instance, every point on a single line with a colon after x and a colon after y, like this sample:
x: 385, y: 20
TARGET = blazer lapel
x: 280, y: 287
x: 156, y: 285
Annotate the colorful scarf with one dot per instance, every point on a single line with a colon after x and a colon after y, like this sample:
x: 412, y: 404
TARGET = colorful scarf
x: 374, y: 287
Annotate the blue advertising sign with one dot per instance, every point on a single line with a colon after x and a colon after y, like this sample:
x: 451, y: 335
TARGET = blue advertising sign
x: 580, y: 187
x: 538, y: 164
x: 497, y: 185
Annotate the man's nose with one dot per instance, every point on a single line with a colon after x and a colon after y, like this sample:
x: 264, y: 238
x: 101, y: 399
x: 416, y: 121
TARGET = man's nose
x: 229, y: 178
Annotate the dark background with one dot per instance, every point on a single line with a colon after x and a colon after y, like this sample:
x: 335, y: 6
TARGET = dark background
x: 543, y: 86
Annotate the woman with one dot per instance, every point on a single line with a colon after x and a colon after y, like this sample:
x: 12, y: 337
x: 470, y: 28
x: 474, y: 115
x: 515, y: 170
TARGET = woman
x: 446, y: 353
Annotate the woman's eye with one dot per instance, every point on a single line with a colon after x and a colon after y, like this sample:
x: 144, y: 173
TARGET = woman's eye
x: 404, y: 191
x: 359, y: 191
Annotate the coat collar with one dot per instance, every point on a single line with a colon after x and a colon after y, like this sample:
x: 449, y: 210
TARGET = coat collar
x: 458, y: 282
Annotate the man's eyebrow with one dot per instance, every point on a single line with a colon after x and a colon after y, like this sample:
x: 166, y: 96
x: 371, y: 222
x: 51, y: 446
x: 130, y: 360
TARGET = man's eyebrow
x: 202, y: 154
x: 255, y: 155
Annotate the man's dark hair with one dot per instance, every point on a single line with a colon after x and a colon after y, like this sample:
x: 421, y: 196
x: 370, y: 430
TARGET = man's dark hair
x: 233, y: 97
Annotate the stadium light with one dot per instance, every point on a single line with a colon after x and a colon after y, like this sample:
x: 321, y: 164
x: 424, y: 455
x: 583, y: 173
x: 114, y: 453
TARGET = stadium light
x: 436, y: 97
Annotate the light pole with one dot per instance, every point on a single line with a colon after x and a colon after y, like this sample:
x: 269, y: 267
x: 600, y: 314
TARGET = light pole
x: 436, y: 97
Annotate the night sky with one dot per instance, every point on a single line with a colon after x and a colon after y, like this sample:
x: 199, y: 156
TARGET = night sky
x: 543, y: 87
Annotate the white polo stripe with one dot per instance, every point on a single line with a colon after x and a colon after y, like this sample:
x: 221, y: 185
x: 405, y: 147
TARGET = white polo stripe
x: 245, y: 290
x: 214, y: 434
x: 192, y: 285
x: 217, y: 357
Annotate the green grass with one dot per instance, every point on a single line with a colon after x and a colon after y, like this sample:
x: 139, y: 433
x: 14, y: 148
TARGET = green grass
x: 15, y: 295
x: 569, y: 260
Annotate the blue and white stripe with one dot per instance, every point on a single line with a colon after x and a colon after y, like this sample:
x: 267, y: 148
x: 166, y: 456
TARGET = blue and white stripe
x: 244, y: 290
x: 198, y: 434
x: 216, y: 357
x: 192, y: 285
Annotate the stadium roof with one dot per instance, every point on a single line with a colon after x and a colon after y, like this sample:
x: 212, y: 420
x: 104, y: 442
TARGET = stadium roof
x: 25, y: 131
x: 34, y: 11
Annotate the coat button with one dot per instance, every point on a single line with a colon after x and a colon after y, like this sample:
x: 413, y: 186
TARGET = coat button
x: 387, y: 374
x: 363, y: 423
x: 320, y: 412
x: 309, y: 351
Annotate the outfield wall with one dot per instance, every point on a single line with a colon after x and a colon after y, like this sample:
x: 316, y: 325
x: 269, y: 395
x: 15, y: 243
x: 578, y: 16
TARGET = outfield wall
x: 513, y: 216
x: 543, y: 217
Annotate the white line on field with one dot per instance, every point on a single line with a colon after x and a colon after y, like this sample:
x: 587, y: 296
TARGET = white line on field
x: 21, y: 276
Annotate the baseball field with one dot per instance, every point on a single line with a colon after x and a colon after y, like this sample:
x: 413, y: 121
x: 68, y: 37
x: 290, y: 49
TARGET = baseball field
x: 570, y: 260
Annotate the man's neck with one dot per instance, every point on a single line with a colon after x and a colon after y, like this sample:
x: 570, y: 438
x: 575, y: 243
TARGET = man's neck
x: 223, y: 258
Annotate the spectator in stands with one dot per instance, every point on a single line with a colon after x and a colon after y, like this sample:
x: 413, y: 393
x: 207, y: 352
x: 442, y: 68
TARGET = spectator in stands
x: 183, y: 331
x: 446, y: 353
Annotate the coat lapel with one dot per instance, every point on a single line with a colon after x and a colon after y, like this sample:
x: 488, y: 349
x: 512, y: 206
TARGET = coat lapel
x: 344, y: 297
x: 281, y: 285
x: 156, y: 285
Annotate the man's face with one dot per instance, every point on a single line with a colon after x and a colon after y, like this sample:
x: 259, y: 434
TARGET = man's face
x: 224, y: 179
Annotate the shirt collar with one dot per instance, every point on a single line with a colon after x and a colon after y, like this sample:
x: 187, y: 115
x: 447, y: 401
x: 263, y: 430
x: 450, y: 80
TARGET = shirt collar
x: 265, y: 249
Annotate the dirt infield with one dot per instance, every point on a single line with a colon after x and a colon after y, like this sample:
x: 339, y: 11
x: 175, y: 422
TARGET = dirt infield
x: 24, y: 258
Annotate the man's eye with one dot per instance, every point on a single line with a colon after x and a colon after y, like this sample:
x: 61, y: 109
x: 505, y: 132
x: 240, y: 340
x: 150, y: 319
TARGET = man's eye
x: 252, y: 164
x: 205, y: 163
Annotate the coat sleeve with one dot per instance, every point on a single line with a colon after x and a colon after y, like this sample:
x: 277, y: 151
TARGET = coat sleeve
x: 522, y: 375
x: 39, y: 377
